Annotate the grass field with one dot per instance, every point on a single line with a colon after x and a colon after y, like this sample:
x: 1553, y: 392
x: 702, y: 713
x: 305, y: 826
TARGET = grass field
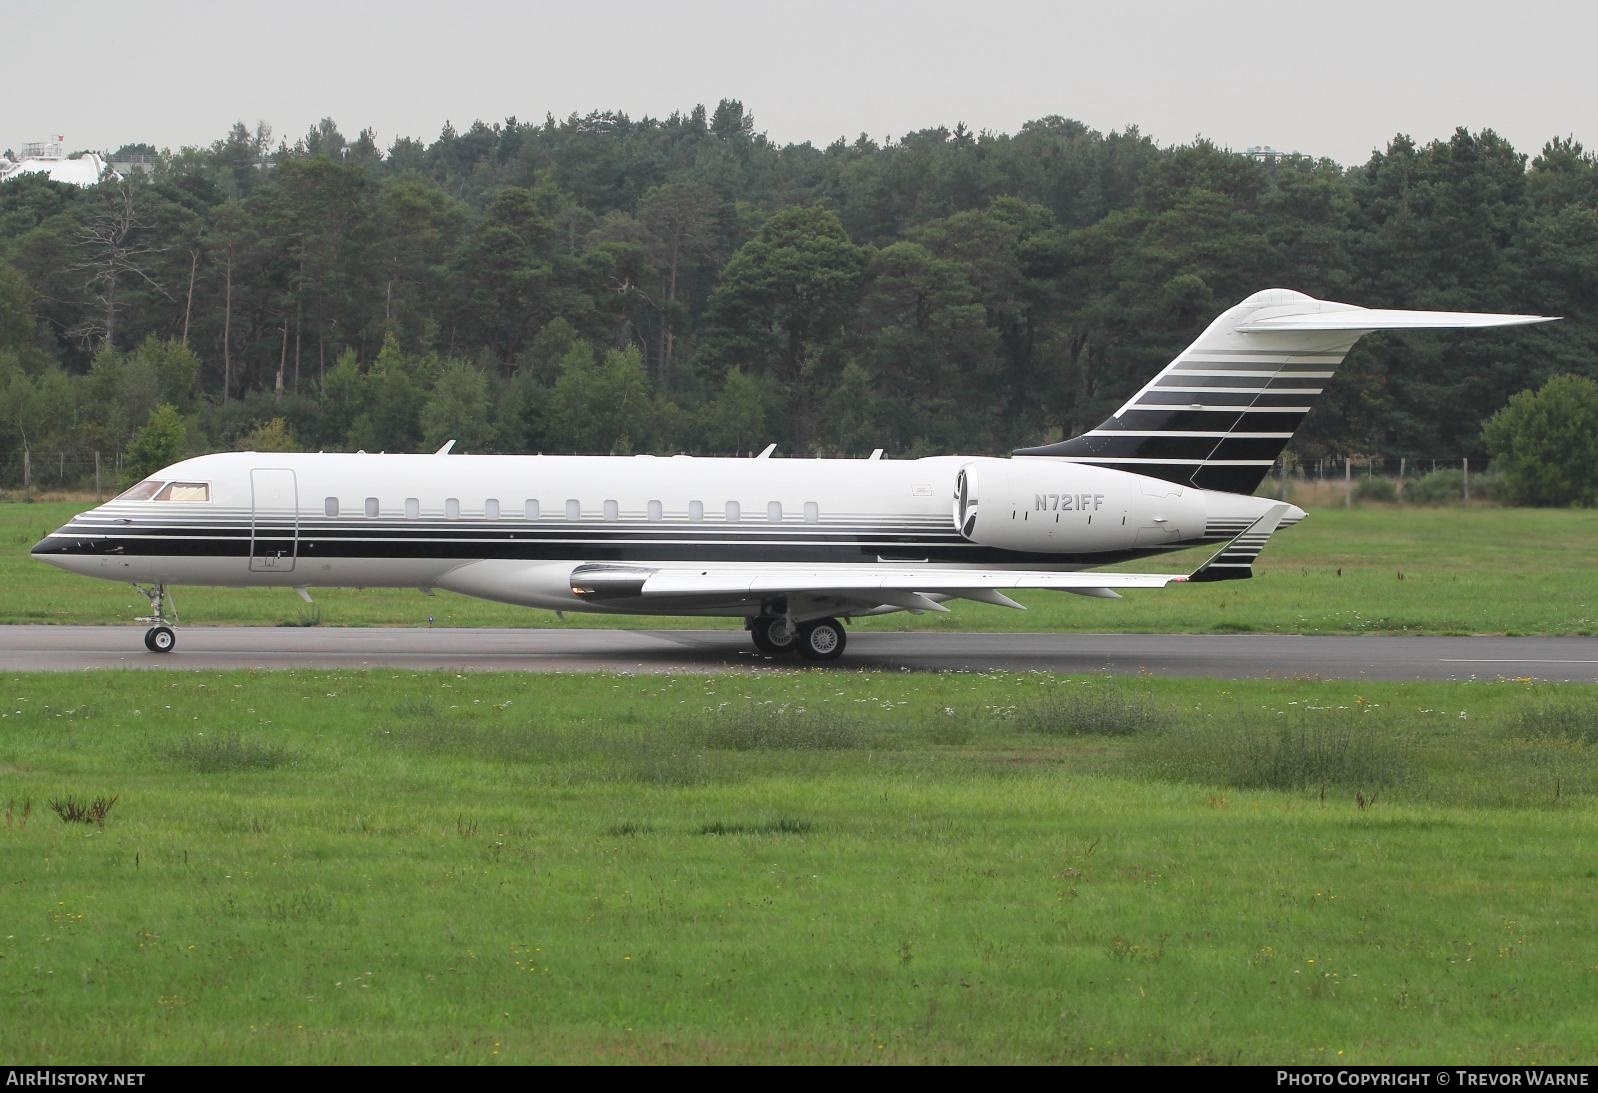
x: 833, y: 866
x: 1343, y: 571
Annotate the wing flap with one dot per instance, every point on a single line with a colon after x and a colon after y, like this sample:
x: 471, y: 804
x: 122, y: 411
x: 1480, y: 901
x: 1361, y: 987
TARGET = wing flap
x: 852, y: 583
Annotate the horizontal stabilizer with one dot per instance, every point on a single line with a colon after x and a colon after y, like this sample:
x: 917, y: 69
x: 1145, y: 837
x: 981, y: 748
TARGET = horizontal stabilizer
x: 1360, y: 318
x: 1235, y: 561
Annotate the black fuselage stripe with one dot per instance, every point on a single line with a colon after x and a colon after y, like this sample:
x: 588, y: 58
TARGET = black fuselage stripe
x: 317, y: 548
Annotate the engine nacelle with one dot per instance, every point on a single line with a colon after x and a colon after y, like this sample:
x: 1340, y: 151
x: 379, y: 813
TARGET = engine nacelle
x: 1053, y: 506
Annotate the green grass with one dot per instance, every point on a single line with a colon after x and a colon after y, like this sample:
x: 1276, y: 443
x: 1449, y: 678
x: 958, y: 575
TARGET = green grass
x: 1371, y: 570
x: 335, y: 867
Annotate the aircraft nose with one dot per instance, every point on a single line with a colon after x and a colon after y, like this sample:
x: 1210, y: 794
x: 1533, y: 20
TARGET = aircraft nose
x: 57, y: 548
x: 47, y: 547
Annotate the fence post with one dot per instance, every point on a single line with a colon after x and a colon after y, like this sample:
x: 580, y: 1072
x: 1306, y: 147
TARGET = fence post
x: 1467, y: 479
x: 97, y: 476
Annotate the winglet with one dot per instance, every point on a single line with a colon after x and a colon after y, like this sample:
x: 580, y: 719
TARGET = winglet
x: 1235, y: 561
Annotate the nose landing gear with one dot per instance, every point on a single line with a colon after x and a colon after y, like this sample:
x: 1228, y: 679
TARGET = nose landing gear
x: 159, y: 638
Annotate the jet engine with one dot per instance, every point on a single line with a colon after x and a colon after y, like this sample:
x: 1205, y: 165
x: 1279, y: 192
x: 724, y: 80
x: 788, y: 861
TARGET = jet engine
x: 1061, y: 507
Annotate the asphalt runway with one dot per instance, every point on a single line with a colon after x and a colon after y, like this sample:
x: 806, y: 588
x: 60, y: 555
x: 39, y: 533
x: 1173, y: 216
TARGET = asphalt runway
x: 1222, y: 656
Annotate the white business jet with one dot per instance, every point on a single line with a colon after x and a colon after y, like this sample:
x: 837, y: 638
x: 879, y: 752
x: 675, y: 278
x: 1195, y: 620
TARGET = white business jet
x: 791, y: 546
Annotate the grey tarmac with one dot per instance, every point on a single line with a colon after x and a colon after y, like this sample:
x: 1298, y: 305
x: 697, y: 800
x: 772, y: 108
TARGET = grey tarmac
x: 1222, y: 656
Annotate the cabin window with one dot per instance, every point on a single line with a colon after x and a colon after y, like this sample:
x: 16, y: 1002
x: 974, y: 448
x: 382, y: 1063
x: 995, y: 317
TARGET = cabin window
x: 734, y: 513
x: 812, y: 513
x: 612, y: 511
x: 330, y: 506
x: 657, y: 512
x: 142, y: 492
x: 774, y: 512
x: 491, y: 508
x: 531, y: 508
x: 574, y: 509
x: 696, y: 511
x: 184, y: 491
x: 413, y: 509
x: 452, y: 508
x: 371, y: 506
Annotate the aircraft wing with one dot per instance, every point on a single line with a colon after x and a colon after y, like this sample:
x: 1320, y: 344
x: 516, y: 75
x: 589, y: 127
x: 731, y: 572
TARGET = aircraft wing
x: 908, y: 587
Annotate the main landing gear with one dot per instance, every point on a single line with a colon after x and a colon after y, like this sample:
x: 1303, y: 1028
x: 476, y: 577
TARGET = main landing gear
x: 159, y: 638
x: 818, y: 639
x: 774, y: 634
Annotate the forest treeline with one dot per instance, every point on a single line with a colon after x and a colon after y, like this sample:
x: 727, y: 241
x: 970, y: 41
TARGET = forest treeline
x: 604, y: 284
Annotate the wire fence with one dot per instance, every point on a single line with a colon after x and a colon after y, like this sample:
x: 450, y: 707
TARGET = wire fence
x: 77, y: 471
x: 1424, y: 479
x: 1398, y: 468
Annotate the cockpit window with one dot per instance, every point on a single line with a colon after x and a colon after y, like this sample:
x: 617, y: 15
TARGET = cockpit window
x: 185, y: 491
x: 142, y: 492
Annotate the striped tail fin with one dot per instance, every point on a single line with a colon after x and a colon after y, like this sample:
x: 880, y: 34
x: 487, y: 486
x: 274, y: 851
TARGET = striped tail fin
x: 1220, y: 414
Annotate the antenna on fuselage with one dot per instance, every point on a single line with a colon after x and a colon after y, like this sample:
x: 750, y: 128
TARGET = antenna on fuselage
x: 765, y: 453
x: 448, y: 444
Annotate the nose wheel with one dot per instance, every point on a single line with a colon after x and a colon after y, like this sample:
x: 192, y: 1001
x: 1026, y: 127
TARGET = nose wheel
x: 160, y: 637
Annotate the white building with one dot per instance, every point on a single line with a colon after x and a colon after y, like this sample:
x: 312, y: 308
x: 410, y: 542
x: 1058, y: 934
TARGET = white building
x: 50, y: 158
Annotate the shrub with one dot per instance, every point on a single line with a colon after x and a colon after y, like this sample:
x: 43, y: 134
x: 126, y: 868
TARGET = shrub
x: 1350, y: 749
x: 1076, y: 710
x: 73, y: 811
x: 1443, y: 487
x: 783, y: 825
x: 771, y: 728
x: 161, y: 442
x: 1545, y: 443
x: 1381, y: 490
x: 219, y: 754
x: 1487, y: 487
x: 1572, y: 718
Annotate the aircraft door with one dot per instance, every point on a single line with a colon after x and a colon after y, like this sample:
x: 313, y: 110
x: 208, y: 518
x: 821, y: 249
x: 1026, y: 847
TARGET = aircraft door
x: 274, y: 521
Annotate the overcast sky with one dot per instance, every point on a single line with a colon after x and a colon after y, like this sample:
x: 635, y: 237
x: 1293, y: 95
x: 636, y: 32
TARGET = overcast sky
x: 1332, y: 79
